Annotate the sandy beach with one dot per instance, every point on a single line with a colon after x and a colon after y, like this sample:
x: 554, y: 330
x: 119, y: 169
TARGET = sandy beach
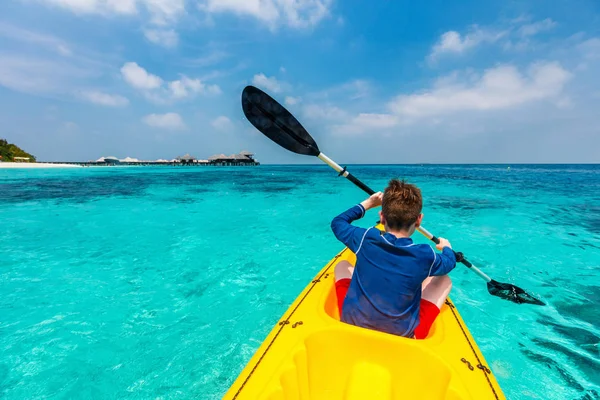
x: 13, y: 165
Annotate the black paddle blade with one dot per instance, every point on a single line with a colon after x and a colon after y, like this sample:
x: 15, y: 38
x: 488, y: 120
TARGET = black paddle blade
x: 511, y: 292
x: 277, y: 123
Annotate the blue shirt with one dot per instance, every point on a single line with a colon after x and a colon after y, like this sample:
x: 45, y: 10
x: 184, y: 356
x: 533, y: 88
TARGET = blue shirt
x: 385, y: 291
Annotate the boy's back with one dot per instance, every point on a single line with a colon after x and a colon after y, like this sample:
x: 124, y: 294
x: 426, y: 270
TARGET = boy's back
x: 385, y: 290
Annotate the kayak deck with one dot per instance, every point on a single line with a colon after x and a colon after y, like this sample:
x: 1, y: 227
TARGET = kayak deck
x: 310, y: 354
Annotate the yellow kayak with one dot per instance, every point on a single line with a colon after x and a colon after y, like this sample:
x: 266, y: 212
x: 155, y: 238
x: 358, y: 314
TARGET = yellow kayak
x: 310, y: 354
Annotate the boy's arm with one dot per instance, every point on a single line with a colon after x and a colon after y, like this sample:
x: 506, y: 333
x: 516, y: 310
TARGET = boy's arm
x: 445, y: 262
x: 352, y: 236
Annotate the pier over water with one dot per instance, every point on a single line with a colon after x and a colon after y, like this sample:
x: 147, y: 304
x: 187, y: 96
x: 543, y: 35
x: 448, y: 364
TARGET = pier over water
x: 156, y: 163
x: 243, y: 159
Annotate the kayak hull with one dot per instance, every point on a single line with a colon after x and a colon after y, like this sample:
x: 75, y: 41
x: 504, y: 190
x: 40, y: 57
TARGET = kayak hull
x: 310, y: 354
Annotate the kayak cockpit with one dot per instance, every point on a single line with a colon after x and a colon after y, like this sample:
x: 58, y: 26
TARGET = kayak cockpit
x: 347, y: 364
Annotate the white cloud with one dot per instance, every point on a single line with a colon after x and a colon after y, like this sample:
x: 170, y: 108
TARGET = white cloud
x: 376, y: 121
x: 23, y: 35
x: 213, y: 89
x: 270, y: 84
x: 537, y: 27
x: 95, y: 6
x: 104, y: 99
x: 367, y: 123
x: 295, y: 14
x: 185, y: 87
x: 179, y: 89
x: 164, y: 11
x: 352, y: 90
x: 158, y: 91
x: 590, y: 48
x: 358, y: 88
x: 514, y: 36
x: 161, y: 13
x: 37, y: 75
x: 454, y: 42
x: 498, y: 88
x: 70, y: 126
x: 320, y: 112
x: 64, y: 50
x: 139, y: 78
x: 211, y: 58
x: 222, y: 123
x: 163, y: 37
x: 169, y: 121
x: 290, y: 101
x: 453, y: 99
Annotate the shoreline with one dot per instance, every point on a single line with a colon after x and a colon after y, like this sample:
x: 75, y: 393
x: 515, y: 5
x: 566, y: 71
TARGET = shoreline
x: 13, y: 165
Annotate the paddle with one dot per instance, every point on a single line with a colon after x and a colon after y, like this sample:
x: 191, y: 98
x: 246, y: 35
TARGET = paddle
x: 279, y: 125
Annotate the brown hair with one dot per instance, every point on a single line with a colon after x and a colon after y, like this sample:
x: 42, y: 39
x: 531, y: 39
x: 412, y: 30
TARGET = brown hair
x: 402, y: 204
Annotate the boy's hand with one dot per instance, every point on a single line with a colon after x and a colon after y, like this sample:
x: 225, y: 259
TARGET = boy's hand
x: 443, y: 243
x: 373, y: 201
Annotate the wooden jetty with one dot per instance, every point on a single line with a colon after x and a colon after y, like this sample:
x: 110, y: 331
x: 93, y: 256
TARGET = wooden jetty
x: 243, y: 159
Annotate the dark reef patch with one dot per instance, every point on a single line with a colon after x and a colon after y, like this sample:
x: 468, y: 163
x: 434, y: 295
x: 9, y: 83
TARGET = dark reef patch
x: 552, y: 364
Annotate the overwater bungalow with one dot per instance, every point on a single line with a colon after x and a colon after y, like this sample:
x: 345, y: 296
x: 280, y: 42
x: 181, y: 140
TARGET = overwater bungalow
x: 187, y: 159
x: 111, y: 160
x: 243, y: 158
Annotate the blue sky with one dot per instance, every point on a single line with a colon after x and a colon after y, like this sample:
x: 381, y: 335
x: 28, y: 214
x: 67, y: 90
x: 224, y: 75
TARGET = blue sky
x: 383, y: 81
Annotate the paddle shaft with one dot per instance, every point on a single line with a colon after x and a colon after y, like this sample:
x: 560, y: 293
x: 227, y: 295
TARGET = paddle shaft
x: 343, y: 172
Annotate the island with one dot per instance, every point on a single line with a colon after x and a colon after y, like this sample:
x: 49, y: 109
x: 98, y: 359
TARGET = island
x: 12, y: 153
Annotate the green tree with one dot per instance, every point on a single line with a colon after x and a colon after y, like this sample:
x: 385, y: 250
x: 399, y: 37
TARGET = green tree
x: 9, y: 151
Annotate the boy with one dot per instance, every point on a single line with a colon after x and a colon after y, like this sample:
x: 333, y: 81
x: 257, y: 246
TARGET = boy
x: 397, y: 286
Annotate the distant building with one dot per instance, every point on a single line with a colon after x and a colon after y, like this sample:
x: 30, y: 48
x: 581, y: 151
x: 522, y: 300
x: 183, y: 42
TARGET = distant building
x: 111, y: 160
x: 244, y: 158
x: 21, y: 159
x: 218, y: 158
x: 187, y: 159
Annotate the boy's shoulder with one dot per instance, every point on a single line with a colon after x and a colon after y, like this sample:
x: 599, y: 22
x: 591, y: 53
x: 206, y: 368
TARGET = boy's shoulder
x: 420, y: 248
x: 425, y: 250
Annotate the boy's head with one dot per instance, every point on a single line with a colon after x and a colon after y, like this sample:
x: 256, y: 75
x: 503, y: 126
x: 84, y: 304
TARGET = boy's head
x: 401, y: 206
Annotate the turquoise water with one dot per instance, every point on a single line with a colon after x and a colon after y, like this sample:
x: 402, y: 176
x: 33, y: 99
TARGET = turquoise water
x: 143, y: 283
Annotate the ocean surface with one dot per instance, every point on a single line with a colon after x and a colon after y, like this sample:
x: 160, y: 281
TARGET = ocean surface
x: 160, y: 283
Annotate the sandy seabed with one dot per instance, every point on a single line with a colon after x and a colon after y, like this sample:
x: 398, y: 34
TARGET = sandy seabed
x: 8, y: 165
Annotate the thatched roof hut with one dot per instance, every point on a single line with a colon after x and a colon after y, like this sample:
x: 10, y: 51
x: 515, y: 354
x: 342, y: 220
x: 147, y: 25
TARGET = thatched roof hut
x: 217, y: 157
x: 186, y: 159
x: 245, y: 157
x: 110, y: 160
